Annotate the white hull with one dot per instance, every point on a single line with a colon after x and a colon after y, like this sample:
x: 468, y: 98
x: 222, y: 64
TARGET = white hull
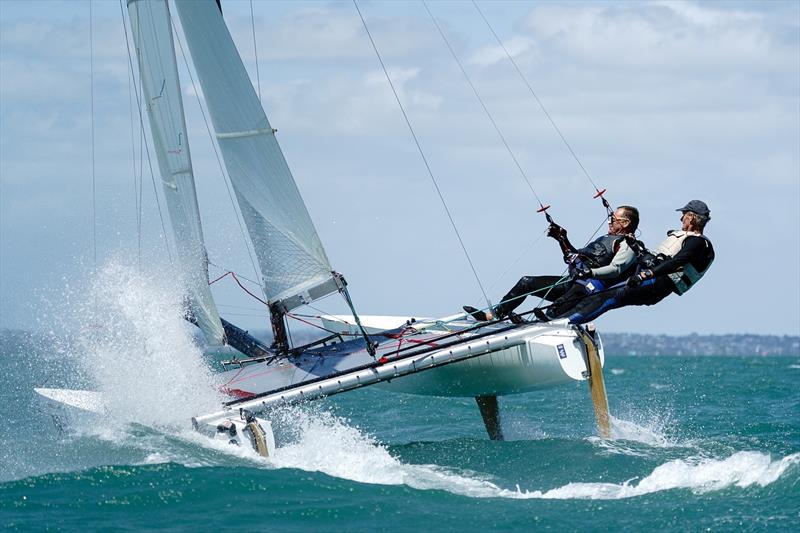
x: 531, y: 361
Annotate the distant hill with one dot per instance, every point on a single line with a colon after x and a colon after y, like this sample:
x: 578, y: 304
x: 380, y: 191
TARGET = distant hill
x: 694, y: 344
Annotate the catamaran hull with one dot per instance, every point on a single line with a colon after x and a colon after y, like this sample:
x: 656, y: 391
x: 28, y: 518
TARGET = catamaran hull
x: 546, y: 355
x: 540, y: 362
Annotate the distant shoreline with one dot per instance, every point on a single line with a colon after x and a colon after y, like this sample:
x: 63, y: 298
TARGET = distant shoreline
x: 617, y: 344
x: 723, y: 345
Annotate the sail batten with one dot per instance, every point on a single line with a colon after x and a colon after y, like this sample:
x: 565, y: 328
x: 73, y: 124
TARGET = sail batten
x: 289, y: 252
x: 152, y: 33
x: 249, y: 133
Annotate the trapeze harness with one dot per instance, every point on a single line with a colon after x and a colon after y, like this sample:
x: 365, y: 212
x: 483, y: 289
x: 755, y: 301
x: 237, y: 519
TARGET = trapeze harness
x: 688, y: 275
x: 599, y: 253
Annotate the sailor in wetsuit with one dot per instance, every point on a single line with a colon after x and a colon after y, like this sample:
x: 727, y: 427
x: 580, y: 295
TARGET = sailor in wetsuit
x: 601, y: 263
x: 677, y: 264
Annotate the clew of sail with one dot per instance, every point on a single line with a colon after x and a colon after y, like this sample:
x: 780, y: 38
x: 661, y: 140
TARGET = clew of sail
x: 293, y: 263
x: 152, y: 33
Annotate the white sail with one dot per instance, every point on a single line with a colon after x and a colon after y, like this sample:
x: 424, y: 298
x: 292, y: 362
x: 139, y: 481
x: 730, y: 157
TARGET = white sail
x: 152, y: 33
x: 292, y: 260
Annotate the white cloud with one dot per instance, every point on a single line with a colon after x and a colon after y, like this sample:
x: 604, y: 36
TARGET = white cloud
x: 493, y: 54
x: 657, y: 36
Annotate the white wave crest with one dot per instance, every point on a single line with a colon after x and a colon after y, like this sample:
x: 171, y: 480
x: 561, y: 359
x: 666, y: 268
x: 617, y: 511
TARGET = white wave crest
x: 325, y: 443
x: 742, y: 469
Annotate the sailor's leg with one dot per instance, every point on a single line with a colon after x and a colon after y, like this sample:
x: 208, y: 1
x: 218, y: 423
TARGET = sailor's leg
x: 648, y: 293
x: 571, y: 298
x: 593, y: 306
x: 544, y: 285
x: 490, y: 411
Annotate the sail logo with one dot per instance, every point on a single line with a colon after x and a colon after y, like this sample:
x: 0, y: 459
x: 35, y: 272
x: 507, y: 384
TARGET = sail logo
x: 562, y: 353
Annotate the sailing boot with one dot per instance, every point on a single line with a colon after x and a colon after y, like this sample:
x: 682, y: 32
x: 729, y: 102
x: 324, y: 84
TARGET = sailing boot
x: 477, y: 314
x: 516, y: 319
x: 541, y: 314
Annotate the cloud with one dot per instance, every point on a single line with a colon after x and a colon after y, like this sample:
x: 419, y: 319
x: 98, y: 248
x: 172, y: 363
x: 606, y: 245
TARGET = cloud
x: 654, y: 36
x: 493, y: 54
x: 329, y: 33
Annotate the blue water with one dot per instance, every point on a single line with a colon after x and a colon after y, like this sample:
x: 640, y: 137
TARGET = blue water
x: 699, y: 443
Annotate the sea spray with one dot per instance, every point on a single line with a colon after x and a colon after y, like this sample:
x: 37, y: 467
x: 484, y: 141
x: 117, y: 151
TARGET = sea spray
x: 139, y: 351
x: 322, y: 442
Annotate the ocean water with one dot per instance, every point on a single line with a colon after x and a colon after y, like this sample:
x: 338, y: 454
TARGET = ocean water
x: 699, y: 443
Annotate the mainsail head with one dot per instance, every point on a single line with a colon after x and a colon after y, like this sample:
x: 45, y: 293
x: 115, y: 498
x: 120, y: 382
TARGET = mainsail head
x: 152, y: 34
x: 293, y: 263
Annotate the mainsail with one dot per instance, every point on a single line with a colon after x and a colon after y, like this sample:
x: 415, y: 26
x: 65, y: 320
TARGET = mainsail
x: 293, y: 263
x: 152, y: 33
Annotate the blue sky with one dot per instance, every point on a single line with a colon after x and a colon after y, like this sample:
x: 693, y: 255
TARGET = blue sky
x: 662, y: 101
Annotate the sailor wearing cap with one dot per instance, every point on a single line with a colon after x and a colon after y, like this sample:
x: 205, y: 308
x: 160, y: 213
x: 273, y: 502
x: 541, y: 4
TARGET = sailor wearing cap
x: 674, y: 267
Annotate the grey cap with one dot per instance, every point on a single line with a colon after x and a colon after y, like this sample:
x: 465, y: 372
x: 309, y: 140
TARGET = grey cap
x: 696, y: 206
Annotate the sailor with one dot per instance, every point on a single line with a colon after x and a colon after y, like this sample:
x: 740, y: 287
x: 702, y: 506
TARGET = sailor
x: 674, y: 267
x: 601, y: 263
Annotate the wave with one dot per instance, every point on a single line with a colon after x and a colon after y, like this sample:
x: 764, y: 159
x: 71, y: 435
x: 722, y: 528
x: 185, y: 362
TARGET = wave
x: 742, y: 469
x: 326, y: 443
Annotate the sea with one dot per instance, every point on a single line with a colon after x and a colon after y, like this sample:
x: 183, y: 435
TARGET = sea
x: 699, y: 443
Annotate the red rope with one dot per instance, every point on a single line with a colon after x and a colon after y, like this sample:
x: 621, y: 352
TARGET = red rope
x: 246, y: 290
x: 219, y: 278
x: 233, y: 275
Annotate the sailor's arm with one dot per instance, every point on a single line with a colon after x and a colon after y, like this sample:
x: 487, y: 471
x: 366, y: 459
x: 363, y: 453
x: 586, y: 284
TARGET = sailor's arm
x: 693, y: 248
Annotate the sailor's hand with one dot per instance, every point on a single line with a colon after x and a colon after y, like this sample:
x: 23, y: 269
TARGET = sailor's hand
x: 556, y: 232
x: 634, y: 281
x: 639, y: 277
x: 582, y: 272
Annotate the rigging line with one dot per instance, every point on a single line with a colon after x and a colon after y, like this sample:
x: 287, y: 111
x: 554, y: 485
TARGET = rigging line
x: 243, y: 308
x: 517, y: 260
x: 483, y: 105
x: 255, y: 48
x: 536, y: 97
x: 146, y: 146
x: 421, y: 153
x: 136, y: 179
x: 94, y: 182
x: 249, y: 315
x: 225, y: 177
x: 227, y: 270
x: 565, y: 272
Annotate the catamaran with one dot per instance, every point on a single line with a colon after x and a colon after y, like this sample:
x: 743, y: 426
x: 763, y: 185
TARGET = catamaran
x: 450, y: 356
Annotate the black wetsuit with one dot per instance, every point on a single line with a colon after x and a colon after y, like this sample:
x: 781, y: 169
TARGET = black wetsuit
x: 559, y: 289
x: 696, y: 251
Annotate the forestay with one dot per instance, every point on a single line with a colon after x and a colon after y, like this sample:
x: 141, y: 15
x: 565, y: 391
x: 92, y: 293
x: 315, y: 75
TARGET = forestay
x: 293, y: 263
x: 152, y: 33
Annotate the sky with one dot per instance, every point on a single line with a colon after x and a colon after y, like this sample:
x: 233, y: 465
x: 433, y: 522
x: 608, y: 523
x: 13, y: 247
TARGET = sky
x: 662, y: 102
